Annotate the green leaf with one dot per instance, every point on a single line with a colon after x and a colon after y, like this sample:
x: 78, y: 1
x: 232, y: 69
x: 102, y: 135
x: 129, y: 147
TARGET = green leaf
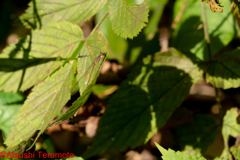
x: 156, y: 10
x: 224, y: 72
x: 10, y: 98
x: 42, y: 12
x: 128, y: 20
x: 235, y: 151
x: 136, y: 112
x: 189, y: 35
x: 93, y: 56
x: 230, y: 125
x: 75, y: 158
x: 172, y: 155
x: 42, y: 105
x: 88, y: 69
x: 199, y: 134
x: 55, y: 40
x: 7, y: 115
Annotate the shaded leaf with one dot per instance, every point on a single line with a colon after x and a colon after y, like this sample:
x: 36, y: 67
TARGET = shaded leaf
x: 224, y: 72
x: 9, y: 65
x: 189, y: 35
x: 10, y: 98
x: 42, y: 12
x: 135, y: 112
x: 156, y: 8
x: 128, y: 20
x: 42, y: 105
x: 55, y: 40
x: 170, y: 154
x: 199, y: 134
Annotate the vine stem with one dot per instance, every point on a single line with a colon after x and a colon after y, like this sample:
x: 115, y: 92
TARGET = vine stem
x: 98, y: 24
x: 206, y: 35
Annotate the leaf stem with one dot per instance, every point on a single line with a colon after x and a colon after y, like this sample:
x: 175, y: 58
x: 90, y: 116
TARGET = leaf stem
x: 205, y: 27
x: 101, y: 20
x: 206, y: 36
x: 219, y: 106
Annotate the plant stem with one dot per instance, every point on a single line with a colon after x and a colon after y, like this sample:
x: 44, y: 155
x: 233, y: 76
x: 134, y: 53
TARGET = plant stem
x: 205, y: 27
x: 101, y: 20
x: 206, y: 35
x: 219, y: 106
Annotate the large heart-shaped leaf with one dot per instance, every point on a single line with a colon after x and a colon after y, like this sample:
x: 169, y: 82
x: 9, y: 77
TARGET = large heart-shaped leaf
x: 144, y: 101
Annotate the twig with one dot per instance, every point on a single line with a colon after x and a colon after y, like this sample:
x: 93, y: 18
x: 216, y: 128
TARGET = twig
x: 96, y: 27
x: 179, y: 16
x: 219, y: 106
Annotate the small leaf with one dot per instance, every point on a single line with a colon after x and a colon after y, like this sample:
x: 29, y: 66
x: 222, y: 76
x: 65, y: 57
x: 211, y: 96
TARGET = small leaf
x: 224, y: 72
x: 75, y: 158
x: 230, y: 125
x: 172, y: 155
x: 42, y: 105
x: 55, y: 40
x: 199, y: 134
x: 42, y: 12
x: 135, y: 112
x: 128, y: 20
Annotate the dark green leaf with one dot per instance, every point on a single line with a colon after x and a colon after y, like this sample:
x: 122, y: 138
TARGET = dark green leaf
x: 199, y: 134
x: 145, y: 101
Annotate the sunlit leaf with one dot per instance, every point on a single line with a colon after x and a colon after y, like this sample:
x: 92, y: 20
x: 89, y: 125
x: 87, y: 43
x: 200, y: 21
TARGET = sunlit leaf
x: 55, y: 40
x: 128, y: 20
x: 42, y: 12
x: 42, y: 105
x: 224, y: 72
x: 230, y: 125
x: 135, y: 112
x: 88, y: 68
x: 172, y: 155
